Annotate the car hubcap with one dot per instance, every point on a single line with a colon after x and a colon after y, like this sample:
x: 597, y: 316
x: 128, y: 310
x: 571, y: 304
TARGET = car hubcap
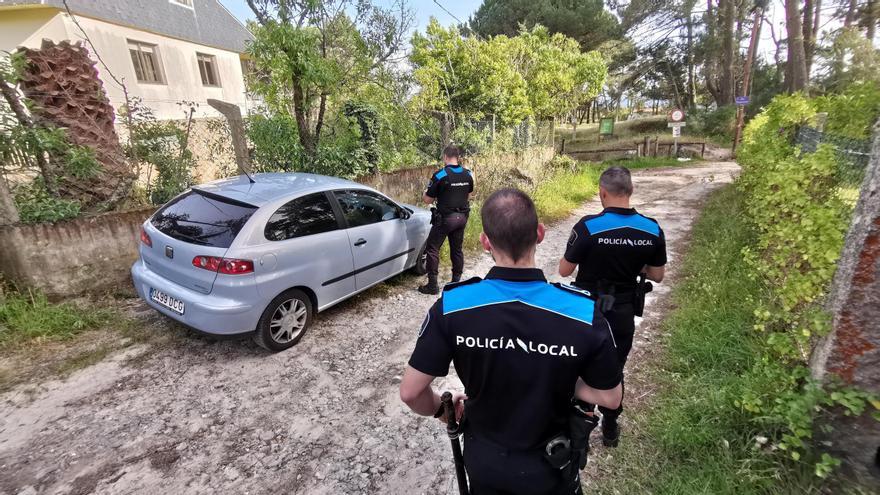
x: 288, y: 321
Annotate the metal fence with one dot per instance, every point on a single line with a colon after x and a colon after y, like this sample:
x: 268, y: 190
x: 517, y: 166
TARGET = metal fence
x: 852, y: 154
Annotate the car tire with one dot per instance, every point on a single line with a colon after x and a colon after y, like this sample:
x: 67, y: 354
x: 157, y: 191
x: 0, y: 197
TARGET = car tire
x: 421, y: 266
x: 284, y: 321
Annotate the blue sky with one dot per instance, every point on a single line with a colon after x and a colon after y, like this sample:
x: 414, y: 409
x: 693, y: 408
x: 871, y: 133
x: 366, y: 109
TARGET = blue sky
x: 424, y: 10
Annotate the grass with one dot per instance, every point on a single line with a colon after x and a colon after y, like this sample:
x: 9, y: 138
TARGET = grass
x: 30, y: 318
x: 42, y: 340
x: 699, y: 441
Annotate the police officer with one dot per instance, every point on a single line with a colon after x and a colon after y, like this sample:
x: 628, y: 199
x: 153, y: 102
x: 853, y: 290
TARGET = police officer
x: 610, y: 251
x: 451, y: 187
x: 522, y: 348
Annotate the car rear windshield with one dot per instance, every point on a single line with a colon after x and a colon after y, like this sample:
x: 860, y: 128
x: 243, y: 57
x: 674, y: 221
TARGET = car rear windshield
x: 202, y: 218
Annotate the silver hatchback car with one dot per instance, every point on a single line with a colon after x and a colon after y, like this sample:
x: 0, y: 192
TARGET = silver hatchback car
x: 234, y: 256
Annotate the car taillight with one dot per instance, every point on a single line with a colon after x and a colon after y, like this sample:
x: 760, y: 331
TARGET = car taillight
x: 145, y: 238
x: 223, y: 265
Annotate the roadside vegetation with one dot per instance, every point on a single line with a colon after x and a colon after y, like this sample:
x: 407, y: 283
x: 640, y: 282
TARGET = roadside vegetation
x: 41, y: 339
x: 736, y: 410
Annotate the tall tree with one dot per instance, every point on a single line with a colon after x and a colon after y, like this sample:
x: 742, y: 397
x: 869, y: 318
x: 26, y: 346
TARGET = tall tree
x: 586, y: 21
x: 308, y: 53
x: 796, y: 76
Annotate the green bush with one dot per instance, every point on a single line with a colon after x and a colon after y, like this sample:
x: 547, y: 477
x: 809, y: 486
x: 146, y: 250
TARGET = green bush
x: 275, y: 143
x: 36, y: 205
x: 793, y: 205
x: 719, y: 123
x: 26, y: 317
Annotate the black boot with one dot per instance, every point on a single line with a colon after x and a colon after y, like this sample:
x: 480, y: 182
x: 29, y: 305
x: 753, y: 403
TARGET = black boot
x: 456, y: 277
x: 610, y: 432
x: 431, y: 287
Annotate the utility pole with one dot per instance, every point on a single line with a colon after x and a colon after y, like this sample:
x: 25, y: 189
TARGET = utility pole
x: 747, y: 70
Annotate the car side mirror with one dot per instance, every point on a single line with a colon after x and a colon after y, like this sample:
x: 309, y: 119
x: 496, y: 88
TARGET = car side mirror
x: 405, y: 214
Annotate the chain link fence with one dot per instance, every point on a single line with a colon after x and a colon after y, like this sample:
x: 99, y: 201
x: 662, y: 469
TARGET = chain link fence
x: 852, y: 154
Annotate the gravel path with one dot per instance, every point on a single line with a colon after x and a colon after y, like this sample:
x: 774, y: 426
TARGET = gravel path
x: 199, y: 416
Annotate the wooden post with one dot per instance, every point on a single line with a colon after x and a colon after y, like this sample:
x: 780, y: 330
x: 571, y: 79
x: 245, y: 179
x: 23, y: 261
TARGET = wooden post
x: 236, y: 129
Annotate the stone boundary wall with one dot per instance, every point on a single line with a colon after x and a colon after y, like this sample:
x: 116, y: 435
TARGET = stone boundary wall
x: 86, y: 255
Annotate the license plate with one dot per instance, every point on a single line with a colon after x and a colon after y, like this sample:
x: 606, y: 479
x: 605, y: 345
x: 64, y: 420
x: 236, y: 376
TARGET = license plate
x: 159, y: 297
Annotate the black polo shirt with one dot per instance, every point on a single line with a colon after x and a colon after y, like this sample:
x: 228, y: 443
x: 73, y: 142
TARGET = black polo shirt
x: 519, y: 345
x: 451, y: 186
x: 614, y: 246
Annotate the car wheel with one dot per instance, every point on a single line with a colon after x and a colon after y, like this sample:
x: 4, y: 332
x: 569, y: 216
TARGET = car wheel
x: 421, y: 266
x: 285, y: 321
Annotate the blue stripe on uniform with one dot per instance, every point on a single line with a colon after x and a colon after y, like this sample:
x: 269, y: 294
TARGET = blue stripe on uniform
x: 536, y: 294
x: 457, y: 170
x: 440, y: 174
x: 612, y: 221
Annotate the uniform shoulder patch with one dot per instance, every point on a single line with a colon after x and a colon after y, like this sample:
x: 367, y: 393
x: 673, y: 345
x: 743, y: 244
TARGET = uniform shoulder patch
x: 440, y: 174
x: 453, y: 285
x: 576, y: 290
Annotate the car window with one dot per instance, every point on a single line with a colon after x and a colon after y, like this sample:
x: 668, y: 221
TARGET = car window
x: 303, y: 216
x: 364, y: 207
x: 203, y: 218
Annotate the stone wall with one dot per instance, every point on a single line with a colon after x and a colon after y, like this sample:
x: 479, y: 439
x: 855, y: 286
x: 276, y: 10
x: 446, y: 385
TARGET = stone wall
x: 851, y: 352
x: 87, y: 255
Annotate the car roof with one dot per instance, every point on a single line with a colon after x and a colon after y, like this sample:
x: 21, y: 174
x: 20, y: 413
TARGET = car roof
x: 271, y: 186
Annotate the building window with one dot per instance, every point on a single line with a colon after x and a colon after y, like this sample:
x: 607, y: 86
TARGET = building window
x: 147, y: 65
x: 185, y: 3
x: 208, y: 69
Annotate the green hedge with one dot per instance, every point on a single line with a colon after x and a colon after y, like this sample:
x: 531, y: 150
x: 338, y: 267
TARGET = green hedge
x: 794, y: 205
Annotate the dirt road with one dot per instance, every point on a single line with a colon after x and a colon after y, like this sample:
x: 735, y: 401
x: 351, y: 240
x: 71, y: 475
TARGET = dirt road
x: 198, y: 416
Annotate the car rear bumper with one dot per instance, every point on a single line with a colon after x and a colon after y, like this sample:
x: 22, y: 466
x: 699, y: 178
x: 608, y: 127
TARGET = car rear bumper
x: 206, y: 313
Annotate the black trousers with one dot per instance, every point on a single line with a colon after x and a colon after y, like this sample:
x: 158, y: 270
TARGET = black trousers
x: 622, y: 321
x: 494, y: 470
x: 452, y: 226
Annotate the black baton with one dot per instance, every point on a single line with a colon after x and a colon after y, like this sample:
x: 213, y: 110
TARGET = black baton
x: 453, y: 429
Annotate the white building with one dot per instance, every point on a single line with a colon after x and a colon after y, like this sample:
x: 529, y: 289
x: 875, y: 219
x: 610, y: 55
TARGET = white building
x: 164, y: 51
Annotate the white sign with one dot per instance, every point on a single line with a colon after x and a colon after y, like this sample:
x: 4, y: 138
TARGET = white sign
x: 675, y: 124
x: 676, y: 115
x: 676, y: 131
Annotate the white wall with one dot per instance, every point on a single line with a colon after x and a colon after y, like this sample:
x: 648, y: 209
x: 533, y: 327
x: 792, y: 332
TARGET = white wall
x: 178, y: 60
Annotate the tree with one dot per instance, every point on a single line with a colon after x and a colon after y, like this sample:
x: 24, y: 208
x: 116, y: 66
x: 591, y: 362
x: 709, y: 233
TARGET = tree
x: 468, y: 76
x: 586, y: 21
x: 796, y: 76
x: 558, y: 76
x: 311, y: 53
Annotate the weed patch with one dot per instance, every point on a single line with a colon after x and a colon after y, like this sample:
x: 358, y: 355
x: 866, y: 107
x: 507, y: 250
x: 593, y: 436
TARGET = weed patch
x: 30, y: 318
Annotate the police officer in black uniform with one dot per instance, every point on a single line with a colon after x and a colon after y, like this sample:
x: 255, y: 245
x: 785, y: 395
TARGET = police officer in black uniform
x: 523, y: 348
x: 610, y: 251
x: 451, y: 187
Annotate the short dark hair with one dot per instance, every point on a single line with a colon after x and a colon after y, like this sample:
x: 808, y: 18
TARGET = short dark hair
x: 510, y: 221
x: 452, y: 151
x: 617, y: 181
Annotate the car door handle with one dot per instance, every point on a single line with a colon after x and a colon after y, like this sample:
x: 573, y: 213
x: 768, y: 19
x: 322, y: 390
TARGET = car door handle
x: 360, y: 242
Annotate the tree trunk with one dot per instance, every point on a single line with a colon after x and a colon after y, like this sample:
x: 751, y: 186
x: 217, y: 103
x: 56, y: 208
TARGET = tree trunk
x: 691, y: 93
x: 796, y: 66
x: 850, y: 13
x: 809, y: 34
x: 302, y: 122
x: 871, y: 19
x: 10, y: 94
x: 728, y: 51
